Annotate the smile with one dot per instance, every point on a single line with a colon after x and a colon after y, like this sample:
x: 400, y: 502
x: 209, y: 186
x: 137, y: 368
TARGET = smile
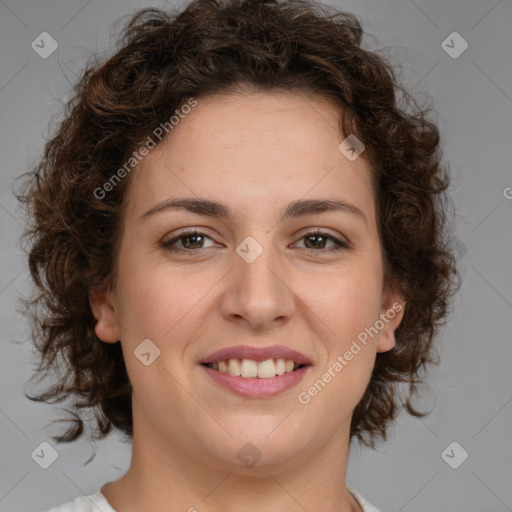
x: 256, y: 371
x: 250, y: 369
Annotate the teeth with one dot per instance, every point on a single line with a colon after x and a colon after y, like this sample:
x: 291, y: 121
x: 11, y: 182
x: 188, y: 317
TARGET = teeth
x: 234, y: 367
x: 266, y: 369
x: 247, y: 368
x: 280, y: 366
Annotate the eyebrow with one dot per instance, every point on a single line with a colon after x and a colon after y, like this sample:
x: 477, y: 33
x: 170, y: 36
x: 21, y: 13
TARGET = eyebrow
x: 299, y: 208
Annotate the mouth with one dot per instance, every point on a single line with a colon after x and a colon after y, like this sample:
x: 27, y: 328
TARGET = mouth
x: 256, y: 372
x: 251, y: 369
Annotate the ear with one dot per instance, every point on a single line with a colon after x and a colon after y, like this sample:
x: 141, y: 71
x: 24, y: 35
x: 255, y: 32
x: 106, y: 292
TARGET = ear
x: 106, y: 327
x: 392, y: 312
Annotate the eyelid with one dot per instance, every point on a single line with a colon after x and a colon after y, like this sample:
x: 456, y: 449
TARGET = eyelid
x: 340, y: 244
x: 183, y: 234
x: 322, y: 231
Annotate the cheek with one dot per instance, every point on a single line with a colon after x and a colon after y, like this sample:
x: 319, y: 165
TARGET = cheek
x: 345, y: 369
x: 346, y: 303
x: 347, y: 307
x: 157, y: 301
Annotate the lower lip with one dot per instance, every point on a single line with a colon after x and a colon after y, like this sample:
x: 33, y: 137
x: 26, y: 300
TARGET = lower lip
x: 257, y: 388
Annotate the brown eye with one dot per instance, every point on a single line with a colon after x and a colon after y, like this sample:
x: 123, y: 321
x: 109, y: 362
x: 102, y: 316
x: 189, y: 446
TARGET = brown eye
x: 316, y: 241
x: 192, y: 241
x: 189, y: 241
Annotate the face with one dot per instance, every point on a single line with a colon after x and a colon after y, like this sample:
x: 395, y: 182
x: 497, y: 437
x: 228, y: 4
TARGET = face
x: 267, y: 282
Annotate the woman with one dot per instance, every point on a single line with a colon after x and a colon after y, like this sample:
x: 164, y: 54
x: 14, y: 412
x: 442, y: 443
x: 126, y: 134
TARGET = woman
x: 238, y: 236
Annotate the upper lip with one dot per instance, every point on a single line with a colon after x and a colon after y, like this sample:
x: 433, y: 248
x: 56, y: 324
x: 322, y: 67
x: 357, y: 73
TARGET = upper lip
x: 256, y: 354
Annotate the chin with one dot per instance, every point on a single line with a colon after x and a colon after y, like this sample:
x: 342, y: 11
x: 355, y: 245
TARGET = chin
x: 259, y: 448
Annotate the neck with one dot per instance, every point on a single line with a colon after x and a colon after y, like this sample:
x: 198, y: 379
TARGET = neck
x: 161, y: 476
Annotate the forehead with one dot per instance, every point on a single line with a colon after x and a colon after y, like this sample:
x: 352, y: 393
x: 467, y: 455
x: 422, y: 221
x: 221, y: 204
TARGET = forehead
x: 254, y: 151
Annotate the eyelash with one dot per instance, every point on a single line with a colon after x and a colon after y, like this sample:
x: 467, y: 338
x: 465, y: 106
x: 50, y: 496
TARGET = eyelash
x: 338, y: 247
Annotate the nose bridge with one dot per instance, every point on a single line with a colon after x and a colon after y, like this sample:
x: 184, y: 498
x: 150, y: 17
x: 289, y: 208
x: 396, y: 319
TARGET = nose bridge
x: 258, y: 290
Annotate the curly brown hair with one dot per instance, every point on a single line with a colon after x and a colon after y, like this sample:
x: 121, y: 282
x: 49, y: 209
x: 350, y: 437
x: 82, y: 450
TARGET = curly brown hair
x: 216, y: 46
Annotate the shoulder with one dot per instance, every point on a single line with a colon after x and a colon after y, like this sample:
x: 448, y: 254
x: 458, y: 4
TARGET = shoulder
x: 367, y: 507
x: 91, y: 503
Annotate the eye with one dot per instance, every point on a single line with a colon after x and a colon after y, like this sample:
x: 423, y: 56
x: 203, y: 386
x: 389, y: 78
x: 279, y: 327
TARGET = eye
x: 316, y: 241
x: 191, y: 241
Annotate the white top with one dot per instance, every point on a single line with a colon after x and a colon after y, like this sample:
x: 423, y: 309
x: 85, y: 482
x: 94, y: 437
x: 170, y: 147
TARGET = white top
x: 367, y: 507
x: 93, y: 503
x: 98, y: 503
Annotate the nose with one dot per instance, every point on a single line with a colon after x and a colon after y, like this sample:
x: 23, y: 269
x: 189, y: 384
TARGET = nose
x: 258, y: 293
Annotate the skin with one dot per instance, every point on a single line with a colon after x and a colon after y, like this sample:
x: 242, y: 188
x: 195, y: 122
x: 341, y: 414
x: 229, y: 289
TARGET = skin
x: 256, y: 152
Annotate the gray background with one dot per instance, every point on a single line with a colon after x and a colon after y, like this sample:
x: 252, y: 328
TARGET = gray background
x: 471, y: 388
